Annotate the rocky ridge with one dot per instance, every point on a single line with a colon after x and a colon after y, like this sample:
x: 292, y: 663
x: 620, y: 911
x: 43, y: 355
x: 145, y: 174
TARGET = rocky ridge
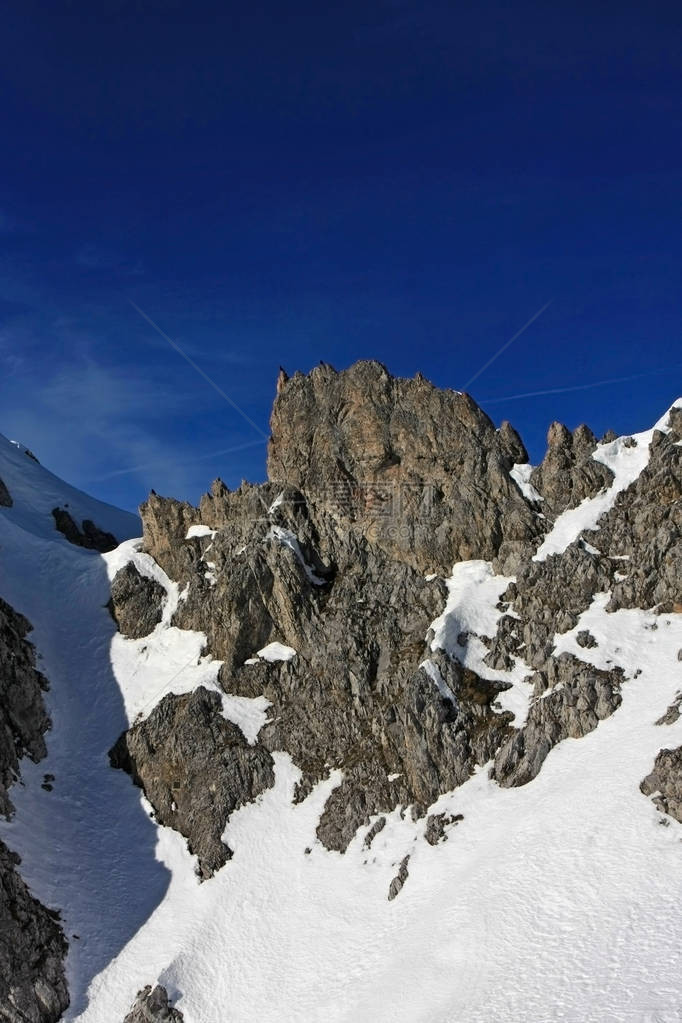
x: 377, y: 486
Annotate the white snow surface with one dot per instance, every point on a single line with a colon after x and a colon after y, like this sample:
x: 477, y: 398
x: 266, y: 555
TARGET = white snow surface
x: 521, y: 473
x: 276, y: 652
x: 279, y: 500
x: 556, y: 901
x: 472, y: 615
x: 200, y: 530
x: 290, y: 540
x: 626, y: 457
x: 36, y: 491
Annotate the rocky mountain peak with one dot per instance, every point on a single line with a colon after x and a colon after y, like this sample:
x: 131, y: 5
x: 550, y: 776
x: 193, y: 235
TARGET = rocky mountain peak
x: 568, y: 473
x: 360, y: 442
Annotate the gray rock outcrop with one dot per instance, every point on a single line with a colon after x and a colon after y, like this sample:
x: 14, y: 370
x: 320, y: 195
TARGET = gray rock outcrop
x: 571, y: 699
x: 396, y: 885
x: 136, y: 602
x: 421, y: 471
x: 673, y: 712
x: 664, y: 784
x: 438, y: 825
x: 5, y: 496
x: 89, y: 535
x: 152, y: 1006
x: 568, y: 473
x: 642, y: 533
x: 196, y: 768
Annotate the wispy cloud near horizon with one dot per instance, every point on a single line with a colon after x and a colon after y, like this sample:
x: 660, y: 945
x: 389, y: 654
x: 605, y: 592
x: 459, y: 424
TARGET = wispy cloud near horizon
x: 99, y: 417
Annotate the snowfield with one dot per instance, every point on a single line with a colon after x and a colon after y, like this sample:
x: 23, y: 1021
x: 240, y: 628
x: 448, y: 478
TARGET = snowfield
x: 557, y: 901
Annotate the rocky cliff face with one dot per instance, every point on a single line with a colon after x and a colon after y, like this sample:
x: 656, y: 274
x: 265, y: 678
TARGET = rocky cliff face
x: 32, y: 952
x: 196, y: 769
x: 420, y: 471
x: 32, y: 945
x: 23, y: 719
x: 377, y: 486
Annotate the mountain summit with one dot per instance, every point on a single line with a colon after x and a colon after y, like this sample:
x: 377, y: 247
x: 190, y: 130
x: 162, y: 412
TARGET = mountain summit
x: 394, y: 735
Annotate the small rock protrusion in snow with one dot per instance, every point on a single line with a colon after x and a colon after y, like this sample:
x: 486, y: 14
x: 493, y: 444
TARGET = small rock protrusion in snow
x: 136, y: 602
x: 586, y: 640
x: 5, y: 496
x: 399, y: 880
x: 436, y: 825
x: 90, y: 536
x: 152, y: 1006
x: 378, y: 826
x: 673, y: 713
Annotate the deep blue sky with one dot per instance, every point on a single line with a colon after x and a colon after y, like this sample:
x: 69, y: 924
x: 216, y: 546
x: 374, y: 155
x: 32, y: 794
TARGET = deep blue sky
x: 288, y: 183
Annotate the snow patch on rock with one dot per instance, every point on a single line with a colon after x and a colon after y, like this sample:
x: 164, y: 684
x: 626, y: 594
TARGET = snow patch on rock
x: 470, y: 617
x: 626, y: 457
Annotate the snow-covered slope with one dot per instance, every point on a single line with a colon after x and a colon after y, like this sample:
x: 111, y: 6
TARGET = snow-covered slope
x: 558, y: 900
x: 87, y: 841
x: 35, y: 491
x: 543, y: 905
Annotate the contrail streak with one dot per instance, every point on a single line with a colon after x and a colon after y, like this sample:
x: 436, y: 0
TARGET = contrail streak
x: 171, y: 461
x: 580, y: 387
x: 506, y: 344
x: 198, y: 369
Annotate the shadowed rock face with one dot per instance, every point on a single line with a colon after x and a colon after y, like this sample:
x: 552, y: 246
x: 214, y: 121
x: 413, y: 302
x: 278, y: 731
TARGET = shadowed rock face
x: 32, y: 952
x: 90, y: 536
x: 196, y: 768
x: 23, y: 718
x: 32, y: 945
x: 5, y: 496
x: 374, y: 484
